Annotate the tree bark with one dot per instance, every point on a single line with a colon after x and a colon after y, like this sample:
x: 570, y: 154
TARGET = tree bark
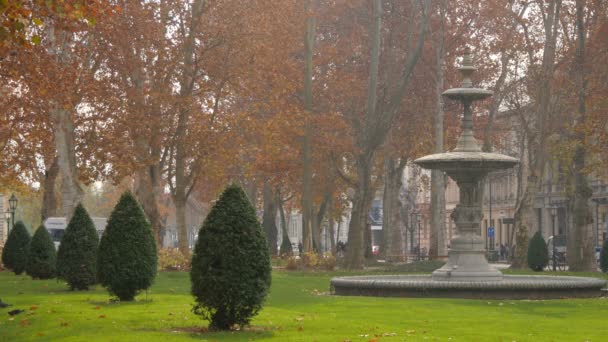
x: 49, y: 200
x: 146, y: 185
x: 307, y: 193
x: 180, y: 222
x: 581, y: 251
x: 63, y: 129
x: 392, y: 221
x: 269, y: 219
x: 359, y: 220
x: 437, y: 224
x: 286, y: 247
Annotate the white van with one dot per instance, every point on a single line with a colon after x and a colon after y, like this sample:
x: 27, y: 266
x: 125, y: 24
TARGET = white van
x: 56, y: 227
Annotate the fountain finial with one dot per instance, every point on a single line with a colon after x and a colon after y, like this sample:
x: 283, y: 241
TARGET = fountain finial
x: 467, y: 68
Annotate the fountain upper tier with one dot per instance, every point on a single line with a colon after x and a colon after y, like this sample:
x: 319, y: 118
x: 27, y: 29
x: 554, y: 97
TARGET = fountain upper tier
x: 467, y: 157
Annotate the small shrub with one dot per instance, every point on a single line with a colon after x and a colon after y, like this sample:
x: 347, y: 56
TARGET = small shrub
x: 42, y: 258
x: 127, y: 253
x: 604, y: 257
x: 328, y: 262
x: 77, y: 254
x: 171, y: 259
x: 310, y: 260
x: 293, y: 263
x: 538, y: 255
x: 231, y: 264
x: 16, y: 249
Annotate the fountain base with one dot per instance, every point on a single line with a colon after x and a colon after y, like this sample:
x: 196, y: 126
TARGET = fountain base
x: 509, y: 287
x: 467, y: 262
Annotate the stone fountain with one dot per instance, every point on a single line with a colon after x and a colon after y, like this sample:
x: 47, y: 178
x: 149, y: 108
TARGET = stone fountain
x: 467, y: 274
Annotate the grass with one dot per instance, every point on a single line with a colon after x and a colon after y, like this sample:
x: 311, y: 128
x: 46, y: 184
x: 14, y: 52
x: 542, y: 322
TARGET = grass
x: 298, y: 309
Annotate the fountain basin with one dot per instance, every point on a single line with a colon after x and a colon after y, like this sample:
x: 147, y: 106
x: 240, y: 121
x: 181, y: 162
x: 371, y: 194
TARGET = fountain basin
x: 467, y: 94
x: 509, y: 287
x: 467, y: 161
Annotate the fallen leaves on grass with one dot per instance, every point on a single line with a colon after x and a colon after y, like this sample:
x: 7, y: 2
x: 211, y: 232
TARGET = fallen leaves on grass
x: 34, y: 307
x: 102, y: 316
x: 24, y: 323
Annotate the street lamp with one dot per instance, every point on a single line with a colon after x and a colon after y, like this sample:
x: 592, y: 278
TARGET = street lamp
x: 416, y: 221
x: 553, y: 214
x: 7, y: 216
x: 412, y: 228
x: 12, y: 204
x: 598, y: 201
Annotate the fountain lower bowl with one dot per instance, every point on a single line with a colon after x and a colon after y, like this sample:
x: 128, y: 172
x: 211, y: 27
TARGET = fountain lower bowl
x: 467, y: 161
x: 510, y: 287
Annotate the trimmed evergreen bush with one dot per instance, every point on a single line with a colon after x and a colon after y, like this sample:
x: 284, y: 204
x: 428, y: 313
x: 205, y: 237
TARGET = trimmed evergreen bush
x: 230, y: 266
x: 604, y: 257
x: 77, y: 254
x: 42, y: 258
x: 127, y: 252
x: 538, y: 255
x: 16, y: 248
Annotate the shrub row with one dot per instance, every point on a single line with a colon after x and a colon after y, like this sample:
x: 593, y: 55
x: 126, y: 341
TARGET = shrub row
x: 125, y: 261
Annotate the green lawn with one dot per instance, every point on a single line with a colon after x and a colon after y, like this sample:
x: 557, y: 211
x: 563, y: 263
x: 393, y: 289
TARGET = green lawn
x: 298, y: 309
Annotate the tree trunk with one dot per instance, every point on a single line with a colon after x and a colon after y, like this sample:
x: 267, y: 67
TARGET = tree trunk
x: 392, y: 221
x: 359, y: 220
x: 375, y: 128
x: 523, y: 216
x: 286, y: 248
x: 318, y: 222
x: 49, y: 200
x: 537, y: 138
x: 146, y: 184
x: 332, y: 233
x: 307, y: 193
x: 437, y: 224
x: 183, y: 181
x: 269, y: 219
x: 180, y: 223
x: 63, y: 129
x: 581, y: 251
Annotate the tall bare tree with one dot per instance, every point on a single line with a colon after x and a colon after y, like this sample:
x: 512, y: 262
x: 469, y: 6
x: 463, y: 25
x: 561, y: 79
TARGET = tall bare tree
x: 373, y: 128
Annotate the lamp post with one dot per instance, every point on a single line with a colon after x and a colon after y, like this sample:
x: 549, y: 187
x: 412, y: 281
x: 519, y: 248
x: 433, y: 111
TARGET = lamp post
x: 411, y: 228
x: 7, y: 216
x: 417, y: 222
x: 12, y: 204
x: 553, y: 214
x: 598, y: 201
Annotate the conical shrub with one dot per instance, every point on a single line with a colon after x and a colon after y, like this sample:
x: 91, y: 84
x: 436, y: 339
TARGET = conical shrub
x: 42, y: 258
x: 230, y: 266
x: 604, y: 257
x: 77, y: 253
x: 538, y: 255
x: 16, y: 248
x: 127, y: 252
